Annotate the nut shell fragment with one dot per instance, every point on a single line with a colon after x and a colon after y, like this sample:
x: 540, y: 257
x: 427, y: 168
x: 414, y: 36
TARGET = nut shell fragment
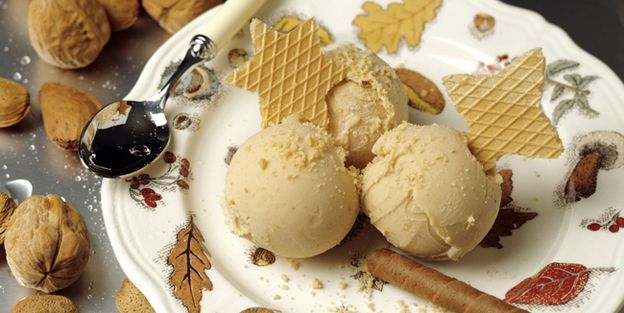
x: 14, y: 103
x: 47, y: 243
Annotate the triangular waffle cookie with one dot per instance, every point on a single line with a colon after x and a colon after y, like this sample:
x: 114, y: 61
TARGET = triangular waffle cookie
x: 503, y: 111
x: 289, y: 72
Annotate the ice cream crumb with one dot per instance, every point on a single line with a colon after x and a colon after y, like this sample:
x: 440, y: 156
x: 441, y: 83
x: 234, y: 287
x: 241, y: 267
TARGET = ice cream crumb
x: 343, y: 309
x: 343, y: 285
x: 294, y: 264
x: 284, y: 287
x: 263, y: 164
x: 277, y: 297
x: 285, y: 278
x: 403, y: 307
x: 317, y: 284
x: 371, y: 306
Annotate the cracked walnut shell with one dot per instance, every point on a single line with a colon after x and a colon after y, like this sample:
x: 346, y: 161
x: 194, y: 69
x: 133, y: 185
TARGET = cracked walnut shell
x: 14, y: 103
x: 47, y: 243
x: 68, y: 33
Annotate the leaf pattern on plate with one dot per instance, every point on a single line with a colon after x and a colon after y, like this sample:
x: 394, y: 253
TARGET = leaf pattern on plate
x: 575, y: 83
x: 555, y: 284
x: 381, y: 27
x: 189, y: 260
x: 510, y: 217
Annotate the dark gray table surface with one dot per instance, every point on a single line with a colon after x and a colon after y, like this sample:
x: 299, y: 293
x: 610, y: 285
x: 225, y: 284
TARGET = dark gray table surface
x: 595, y: 25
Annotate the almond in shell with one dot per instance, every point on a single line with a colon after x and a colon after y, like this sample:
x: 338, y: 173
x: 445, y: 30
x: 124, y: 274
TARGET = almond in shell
x: 14, y: 103
x: 66, y: 111
x: 423, y: 94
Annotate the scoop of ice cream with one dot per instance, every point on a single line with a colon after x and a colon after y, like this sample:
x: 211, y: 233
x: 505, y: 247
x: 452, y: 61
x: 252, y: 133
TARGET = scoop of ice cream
x: 427, y: 193
x: 288, y: 191
x: 370, y: 101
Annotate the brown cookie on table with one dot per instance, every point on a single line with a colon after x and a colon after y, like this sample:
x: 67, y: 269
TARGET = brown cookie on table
x: 129, y: 299
x: 44, y: 304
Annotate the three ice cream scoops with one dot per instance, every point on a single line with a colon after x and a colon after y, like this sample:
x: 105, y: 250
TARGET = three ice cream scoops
x: 296, y: 188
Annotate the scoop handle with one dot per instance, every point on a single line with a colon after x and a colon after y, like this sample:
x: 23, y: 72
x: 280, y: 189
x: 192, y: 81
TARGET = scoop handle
x: 228, y: 19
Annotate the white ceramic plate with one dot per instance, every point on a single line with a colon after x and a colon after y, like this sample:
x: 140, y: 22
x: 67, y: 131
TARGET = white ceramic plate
x: 142, y: 236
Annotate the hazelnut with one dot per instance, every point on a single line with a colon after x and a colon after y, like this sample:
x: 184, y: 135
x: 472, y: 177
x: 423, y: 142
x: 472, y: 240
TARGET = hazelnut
x: 174, y: 14
x: 14, y: 103
x: 68, y: 33
x: 47, y: 243
x: 7, y: 207
x: 122, y: 14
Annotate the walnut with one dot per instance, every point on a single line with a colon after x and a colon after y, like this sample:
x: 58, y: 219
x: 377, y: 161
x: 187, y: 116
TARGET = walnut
x: 14, y: 102
x: 47, y: 243
x: 121, y: 13
x: 174, y: 14
x: 7, y: 207
x: 68, y: 33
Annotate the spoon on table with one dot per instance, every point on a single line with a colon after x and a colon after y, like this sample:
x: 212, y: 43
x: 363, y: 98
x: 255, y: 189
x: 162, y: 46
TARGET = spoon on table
x: 126, y: 136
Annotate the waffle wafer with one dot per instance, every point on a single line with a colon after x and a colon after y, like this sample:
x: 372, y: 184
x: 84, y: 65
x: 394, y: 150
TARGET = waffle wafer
x: 503, y: 111
x: 289, y: 72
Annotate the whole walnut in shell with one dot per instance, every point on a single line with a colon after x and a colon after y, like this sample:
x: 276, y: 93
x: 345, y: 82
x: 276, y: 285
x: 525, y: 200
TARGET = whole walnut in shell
x: 68, y: 33
x: 47, y: 243
x: 121, y: 13
x: 174, y: 14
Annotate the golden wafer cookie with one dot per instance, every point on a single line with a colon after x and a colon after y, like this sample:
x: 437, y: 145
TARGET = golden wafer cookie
x: 289, y: 72
x: 503, y: 111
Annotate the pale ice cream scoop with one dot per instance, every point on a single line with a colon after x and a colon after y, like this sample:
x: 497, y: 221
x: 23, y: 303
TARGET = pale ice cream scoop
x: 367, y: 103
x: 288, y: 191
x: 427, y: 193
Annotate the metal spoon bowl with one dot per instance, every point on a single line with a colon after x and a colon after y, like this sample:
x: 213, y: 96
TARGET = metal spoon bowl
x: 126, y: 136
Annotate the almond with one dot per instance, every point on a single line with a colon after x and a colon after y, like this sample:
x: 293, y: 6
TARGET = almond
x: 66, y: 111
x: 14, y: 103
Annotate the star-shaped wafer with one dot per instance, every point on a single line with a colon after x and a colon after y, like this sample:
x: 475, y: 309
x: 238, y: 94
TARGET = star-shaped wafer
x: 503, y: 111
x: 289, y: 72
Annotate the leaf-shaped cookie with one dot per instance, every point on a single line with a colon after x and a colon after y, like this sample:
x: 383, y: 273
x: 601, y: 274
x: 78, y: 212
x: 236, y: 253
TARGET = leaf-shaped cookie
x: 189, y: 261
x: 381, y: 28
x: 503, y: 111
